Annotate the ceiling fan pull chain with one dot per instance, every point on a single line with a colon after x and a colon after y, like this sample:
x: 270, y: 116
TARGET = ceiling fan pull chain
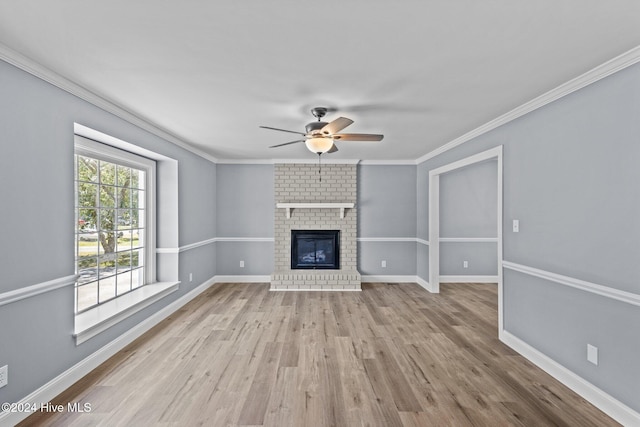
x: 319, y: 167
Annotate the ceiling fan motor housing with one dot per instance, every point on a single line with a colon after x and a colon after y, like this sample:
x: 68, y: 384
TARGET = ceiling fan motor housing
x: 314, y: 127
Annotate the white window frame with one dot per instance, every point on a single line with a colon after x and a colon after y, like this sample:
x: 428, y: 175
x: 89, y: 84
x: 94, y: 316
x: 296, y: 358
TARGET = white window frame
x: 89, y: 148
x: 95, y: 320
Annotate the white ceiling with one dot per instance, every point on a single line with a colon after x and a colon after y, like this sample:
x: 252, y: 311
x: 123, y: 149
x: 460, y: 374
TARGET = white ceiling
x: 423, y: 73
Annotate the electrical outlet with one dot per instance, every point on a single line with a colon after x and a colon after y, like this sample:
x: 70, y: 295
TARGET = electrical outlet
x: 383, y: 264
x: 241, y: 264
x: 592, y: 354
x: 4, y: 375
x: 191, y: 277
x: 465, y: 264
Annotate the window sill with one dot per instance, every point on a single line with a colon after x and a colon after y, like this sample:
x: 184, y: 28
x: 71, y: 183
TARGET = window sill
x: 94, y: 321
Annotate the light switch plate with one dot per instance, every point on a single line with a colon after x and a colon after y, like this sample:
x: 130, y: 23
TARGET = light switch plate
x: 516, y: 226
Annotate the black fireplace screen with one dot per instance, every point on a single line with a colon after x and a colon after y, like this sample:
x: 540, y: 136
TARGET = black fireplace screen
x: 315, y: 249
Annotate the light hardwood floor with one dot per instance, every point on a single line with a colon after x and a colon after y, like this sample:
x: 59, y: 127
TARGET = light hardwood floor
x: 392, y: 355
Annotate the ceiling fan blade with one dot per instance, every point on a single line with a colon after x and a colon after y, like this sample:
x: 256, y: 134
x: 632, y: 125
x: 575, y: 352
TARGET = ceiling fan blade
x: 287, y: 143
x: 358, y: 137
x: 333, y: 149
x: 336, y: 126
x: 282, y: 130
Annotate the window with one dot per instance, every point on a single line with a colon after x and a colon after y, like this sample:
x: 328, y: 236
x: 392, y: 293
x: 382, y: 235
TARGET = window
x: 114, y: 237
x: 128, y: 176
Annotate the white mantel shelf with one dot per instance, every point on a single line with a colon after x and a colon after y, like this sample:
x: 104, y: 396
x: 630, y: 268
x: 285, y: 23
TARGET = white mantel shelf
x: 289, y: 206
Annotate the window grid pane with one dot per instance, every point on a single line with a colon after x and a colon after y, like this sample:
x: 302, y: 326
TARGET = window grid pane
x: 109, y: 217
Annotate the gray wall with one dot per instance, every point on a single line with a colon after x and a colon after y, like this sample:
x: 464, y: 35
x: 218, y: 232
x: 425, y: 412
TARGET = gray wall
x: 468, y: 209
x: 571, y: 178
x: 244, y: 210
x: 386, y: 209
x: 481, y: 257
x: 469, y: 200
x: 257, y: 258
x: 386, y: 201
x: 400, y: 258
x: 245, y: 200
x: 36, y: 225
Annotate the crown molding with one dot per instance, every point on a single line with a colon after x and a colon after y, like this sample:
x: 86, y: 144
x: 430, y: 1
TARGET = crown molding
x: 612, y: 66
x: 314, y: 161
x: 388, y: 162
x: 311, y: 161
x: 245, y: 161
x: 32, y: 67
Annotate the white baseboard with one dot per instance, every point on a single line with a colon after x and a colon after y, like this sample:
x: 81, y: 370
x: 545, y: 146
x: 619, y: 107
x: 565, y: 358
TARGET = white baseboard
x: 50, y: 390
x: 241, y: 279
x: 315, y: 290
x: 420, y: 281
x: 603, y: 401
x: 388, y: 279
x: 399, y: 279
x: 468, y: 279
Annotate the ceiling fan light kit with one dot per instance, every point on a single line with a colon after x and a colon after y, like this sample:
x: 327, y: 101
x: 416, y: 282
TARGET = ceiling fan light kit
x: 319, y: 145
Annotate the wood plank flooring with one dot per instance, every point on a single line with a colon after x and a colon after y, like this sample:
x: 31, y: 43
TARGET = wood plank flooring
x: 392, y: 355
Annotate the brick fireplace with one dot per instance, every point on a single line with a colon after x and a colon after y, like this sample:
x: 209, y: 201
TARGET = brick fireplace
x: 304, y: 202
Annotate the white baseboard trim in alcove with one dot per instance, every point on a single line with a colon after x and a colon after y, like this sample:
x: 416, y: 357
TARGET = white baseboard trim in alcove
x: 603, y: 401
x: 468, y: 279
x: 398, y: 279
x: 426, y: 285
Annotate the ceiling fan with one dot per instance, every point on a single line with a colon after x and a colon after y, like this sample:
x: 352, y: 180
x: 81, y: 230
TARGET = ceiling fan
x: 320, y: 136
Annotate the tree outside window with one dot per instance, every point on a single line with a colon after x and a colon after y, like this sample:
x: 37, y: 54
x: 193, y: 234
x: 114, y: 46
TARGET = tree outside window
x: 110, y: 230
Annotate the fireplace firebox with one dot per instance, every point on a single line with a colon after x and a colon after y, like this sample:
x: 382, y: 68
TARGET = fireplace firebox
x: 315, y: 249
